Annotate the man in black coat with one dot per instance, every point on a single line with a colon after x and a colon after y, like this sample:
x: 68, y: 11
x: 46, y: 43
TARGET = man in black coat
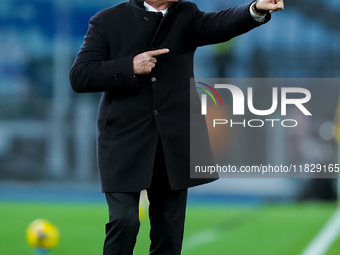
x: 140, y: 55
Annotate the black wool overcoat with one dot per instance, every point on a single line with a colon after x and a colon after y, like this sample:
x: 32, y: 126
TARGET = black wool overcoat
x: 134, y: 111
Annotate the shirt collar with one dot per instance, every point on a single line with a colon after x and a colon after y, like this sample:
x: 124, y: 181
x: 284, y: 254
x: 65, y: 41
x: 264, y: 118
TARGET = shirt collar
x: 149, y: 8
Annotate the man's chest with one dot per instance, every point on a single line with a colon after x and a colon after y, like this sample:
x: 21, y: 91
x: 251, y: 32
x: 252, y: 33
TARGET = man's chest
x: 142, y: 31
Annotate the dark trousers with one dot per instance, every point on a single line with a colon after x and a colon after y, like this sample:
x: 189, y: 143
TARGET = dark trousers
x: 166, y: 213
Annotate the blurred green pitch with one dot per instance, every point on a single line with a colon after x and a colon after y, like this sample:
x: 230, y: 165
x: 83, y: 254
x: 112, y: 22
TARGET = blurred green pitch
x: 218, y: 230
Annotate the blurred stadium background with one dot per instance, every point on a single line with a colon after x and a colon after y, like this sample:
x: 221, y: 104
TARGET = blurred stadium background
x: 47, y: 163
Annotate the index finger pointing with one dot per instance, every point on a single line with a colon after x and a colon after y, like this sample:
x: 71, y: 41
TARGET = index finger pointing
x: 158, y: 52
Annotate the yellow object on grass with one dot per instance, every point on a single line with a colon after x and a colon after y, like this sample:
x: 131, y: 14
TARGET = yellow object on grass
x: 42, y: 234
x: 143, y: 205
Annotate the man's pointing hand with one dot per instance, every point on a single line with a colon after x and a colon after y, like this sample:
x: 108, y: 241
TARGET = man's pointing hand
x: 270, y: 5
x: 144, y: 62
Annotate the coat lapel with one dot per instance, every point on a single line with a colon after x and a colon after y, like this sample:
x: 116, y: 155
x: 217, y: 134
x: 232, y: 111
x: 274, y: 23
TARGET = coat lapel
x: 164, y: 27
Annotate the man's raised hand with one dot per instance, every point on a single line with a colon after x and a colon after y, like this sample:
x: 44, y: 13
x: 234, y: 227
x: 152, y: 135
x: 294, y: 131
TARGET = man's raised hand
x: 144, y: 62
x: 270, y: 5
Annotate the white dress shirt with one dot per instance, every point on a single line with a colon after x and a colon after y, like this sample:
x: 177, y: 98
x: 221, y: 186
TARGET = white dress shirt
x: 149, y: 8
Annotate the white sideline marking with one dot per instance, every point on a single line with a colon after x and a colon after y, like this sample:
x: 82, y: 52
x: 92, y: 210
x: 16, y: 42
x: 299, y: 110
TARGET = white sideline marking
x: 200, y: 238
x: 326, y: 236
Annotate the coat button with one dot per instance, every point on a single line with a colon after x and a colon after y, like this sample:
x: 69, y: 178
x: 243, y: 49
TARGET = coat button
x: 153, y: 79
x: 156, y: 112
x: 115, y: 77
x: 146, y: 19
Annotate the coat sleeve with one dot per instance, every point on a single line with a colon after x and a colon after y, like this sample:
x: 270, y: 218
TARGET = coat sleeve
x: 93, y: 70
x: 217, y: 27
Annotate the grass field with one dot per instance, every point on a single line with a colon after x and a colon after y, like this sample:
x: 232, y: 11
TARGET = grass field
x: 218, y: 230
